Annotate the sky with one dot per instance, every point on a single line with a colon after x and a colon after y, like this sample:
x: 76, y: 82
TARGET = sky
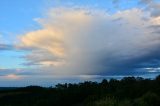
x: 44, y: 42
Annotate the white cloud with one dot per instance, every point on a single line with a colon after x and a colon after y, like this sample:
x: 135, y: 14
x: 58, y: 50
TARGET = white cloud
x: 87, y: 41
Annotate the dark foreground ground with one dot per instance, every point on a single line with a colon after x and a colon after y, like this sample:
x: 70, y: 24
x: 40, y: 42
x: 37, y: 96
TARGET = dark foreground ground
x: 129, y: 91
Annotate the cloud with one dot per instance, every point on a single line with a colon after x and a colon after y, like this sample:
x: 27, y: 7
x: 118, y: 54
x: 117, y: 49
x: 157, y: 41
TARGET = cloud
x: 92, y: 42
x: 115, y: 1
x: 152, y: 6
x: 6, y: 47
x: 145, y: 1
x: 9, y: 74
x: 12, y: 77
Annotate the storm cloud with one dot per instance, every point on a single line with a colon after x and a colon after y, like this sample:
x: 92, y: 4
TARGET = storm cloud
x: 93, y: 42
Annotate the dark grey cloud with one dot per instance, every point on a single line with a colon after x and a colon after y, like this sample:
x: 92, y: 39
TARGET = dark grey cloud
x: 132, y: 66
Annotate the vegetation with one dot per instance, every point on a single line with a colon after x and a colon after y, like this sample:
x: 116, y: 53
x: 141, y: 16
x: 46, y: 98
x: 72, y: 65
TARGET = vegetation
x: 129, y: 91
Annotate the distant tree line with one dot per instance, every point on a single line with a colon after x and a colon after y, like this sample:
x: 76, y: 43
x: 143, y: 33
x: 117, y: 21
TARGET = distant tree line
x: 129, y: 91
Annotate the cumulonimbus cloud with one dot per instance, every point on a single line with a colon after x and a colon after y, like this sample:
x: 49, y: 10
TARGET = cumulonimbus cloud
x: 87, y: 41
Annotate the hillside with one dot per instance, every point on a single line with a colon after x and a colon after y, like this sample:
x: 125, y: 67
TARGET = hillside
x: 129, y: 91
